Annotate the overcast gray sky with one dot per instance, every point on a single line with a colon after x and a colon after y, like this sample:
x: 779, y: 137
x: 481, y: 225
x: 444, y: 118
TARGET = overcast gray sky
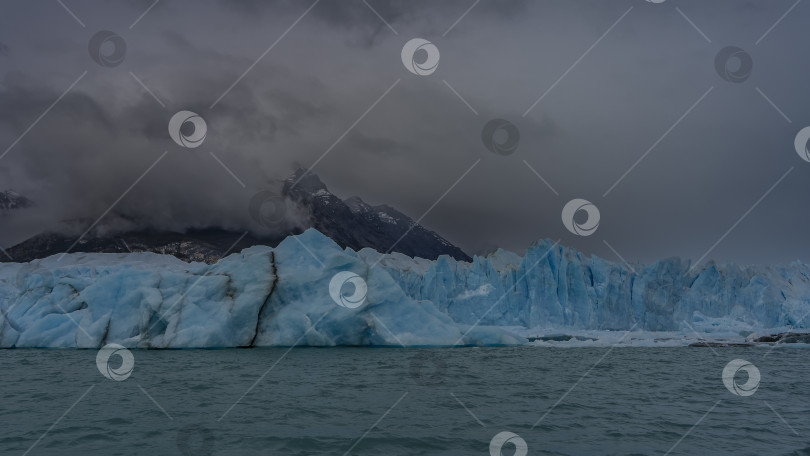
x: 609, y: 97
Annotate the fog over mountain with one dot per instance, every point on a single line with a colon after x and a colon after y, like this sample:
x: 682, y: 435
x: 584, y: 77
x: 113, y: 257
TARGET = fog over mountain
x: 304, y: 199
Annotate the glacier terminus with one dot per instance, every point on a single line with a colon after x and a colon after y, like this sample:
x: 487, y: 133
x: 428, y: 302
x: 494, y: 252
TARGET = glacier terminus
x: 280, y: 296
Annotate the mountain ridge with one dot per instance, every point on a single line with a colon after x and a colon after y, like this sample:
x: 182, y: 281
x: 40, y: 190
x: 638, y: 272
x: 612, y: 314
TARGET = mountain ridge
x: 351, y: 223
x: 362, y: 225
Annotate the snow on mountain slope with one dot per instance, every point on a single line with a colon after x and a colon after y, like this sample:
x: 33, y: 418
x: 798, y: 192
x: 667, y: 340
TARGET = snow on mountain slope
x: 280, y: 297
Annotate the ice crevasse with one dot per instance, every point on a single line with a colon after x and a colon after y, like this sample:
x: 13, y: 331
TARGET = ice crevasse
x: 280, y: 296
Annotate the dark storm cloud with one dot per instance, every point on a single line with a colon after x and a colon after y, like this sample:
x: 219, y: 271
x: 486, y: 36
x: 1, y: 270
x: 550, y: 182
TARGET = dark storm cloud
x: 292, y: 106
x: 351, y: 14
x: 362, y: 26
x: 376, y: 144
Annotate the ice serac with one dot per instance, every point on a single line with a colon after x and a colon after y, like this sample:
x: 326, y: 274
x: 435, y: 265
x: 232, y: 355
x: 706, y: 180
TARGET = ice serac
x: 279, y: 296
x: 557, y: 287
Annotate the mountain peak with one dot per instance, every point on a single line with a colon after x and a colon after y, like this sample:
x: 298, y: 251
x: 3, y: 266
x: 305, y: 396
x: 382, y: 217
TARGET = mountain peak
x: 10, y: 199
x: 355, y: 224
x: 303, y: 180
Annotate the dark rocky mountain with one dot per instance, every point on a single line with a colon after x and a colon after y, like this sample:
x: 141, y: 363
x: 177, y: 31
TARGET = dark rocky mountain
x: 356, y: 224
x: 351, y: 223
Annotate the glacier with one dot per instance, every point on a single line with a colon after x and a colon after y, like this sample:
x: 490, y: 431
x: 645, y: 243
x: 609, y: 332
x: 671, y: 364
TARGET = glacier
x: 279, y: 296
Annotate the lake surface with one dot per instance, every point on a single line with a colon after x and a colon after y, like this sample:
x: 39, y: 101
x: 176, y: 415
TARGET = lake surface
x: 387, y: 401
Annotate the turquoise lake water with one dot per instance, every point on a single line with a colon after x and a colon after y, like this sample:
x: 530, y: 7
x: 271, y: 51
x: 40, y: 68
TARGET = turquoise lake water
x: 386, y: 401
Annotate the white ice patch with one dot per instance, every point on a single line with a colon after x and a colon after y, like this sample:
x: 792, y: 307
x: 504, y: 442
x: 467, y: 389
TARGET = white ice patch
x: 483, y: 290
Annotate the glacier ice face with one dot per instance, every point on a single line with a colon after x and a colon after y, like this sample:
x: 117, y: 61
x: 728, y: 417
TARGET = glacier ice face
x: 557, y: 287
x: 259, y: 297
x: 280, y: 297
